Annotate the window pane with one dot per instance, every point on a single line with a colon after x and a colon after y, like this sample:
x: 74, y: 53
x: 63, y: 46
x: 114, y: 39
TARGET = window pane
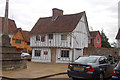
x: 50, y: 36
x: 63, y: 37
x: 37, y: 38
x: 37, y: 53
x: 18, y: 41
x: 65, y: 53
x: 98, y: 40
x: 42, y: 38
x: 86, y: 60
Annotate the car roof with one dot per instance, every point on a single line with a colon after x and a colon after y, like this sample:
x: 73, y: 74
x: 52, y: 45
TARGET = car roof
x: 93, y: 56
x: 26, y: 53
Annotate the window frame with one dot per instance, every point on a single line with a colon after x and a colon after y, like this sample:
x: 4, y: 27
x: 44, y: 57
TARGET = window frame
x: 50, y: 36
x: 98, y: 40
x: 63, y: 36
x: 37, y: 53
x: 37, y: 38
x: 65, y: 53
x: 17, y: 41
x: 43, y: 38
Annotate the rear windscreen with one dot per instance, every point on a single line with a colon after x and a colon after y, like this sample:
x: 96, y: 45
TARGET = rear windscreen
x: 86, y: 60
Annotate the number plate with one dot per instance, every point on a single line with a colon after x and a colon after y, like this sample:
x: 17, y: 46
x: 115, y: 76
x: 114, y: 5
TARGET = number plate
x: 78, y: 68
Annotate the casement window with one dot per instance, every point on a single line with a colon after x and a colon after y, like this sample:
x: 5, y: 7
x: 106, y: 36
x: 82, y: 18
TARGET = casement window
x: 43, y: 38
x: 37, y: 38
x: 98, y: 40
x: 45, y: 53
x: 50, y: 36
x: 18, y: 41
x: 37, y: 53
x: 65, y: 53
x: 63, y: 37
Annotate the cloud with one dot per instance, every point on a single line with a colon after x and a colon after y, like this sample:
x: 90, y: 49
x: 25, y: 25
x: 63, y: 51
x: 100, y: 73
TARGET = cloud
x: 100, y: 13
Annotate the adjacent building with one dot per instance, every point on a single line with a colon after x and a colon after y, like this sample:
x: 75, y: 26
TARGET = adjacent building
x: 18, y: 37
x: 118, y: 40
x: 59, y: 38
x: 95, y: 39
x: 21, y: 40
x: 11, y: 27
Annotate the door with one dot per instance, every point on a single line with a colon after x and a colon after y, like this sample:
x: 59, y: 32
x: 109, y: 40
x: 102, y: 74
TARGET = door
x: 106, y: 67
x: 53, y: 54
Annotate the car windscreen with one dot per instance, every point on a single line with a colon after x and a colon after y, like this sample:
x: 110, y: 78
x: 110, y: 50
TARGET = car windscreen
x: 86, y: 60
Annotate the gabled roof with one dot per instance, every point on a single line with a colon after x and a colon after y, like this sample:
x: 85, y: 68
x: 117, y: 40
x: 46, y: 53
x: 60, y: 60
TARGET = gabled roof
x: 94, y: 33
x: 26, y: 34
x: 11, y: 25
x: 118, y: 34
x: 59, y: 24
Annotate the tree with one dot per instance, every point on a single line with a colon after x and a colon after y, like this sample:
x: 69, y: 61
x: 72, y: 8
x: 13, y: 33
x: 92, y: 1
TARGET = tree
x: 104, y: 40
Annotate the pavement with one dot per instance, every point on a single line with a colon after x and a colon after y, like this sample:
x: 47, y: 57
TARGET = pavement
x: 37, y: 70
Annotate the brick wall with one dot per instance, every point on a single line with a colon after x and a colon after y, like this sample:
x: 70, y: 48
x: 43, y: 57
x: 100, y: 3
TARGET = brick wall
x: 101, y: 51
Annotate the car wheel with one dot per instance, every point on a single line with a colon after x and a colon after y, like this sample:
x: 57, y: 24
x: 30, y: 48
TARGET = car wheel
x: 101, y: 77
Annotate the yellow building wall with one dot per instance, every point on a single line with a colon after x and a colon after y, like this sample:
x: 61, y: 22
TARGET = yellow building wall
x: 23, y: 44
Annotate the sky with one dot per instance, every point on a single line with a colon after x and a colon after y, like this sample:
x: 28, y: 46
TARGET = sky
x: 101, y: 14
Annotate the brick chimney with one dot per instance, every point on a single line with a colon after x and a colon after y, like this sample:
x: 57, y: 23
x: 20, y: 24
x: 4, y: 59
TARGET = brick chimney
x: 57, y: 12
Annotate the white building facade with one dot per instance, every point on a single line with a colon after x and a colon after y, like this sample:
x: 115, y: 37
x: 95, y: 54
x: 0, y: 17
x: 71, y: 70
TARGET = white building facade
x: 61, y: 45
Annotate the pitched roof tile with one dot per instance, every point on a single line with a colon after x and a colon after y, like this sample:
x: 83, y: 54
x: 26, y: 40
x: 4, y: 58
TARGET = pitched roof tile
x: 64, y: 23
x: 11, y: 25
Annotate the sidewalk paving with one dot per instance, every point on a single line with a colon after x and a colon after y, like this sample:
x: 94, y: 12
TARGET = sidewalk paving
x: 36, y: 70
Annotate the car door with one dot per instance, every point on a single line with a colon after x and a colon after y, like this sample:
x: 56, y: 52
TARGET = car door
x: 104, y: 66
x: 109, y: 67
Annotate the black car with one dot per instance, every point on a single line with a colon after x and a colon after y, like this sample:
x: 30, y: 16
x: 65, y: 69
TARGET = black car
x: 116, y: 72
x: 90, y: 68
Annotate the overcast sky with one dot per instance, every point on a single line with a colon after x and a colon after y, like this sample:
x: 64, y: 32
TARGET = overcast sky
x: 101, y: 14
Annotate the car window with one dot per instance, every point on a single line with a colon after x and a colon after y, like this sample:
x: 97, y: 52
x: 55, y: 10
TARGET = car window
x: 86, y: 60
x: 103, y: 60
x: 118, y: 65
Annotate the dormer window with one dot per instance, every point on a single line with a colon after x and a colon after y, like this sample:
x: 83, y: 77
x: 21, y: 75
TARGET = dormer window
x: 50, y: 36
x: 37, y: 38
x: 54, y: 18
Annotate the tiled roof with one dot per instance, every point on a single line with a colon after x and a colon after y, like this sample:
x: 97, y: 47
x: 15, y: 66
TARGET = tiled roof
x: 26, y: 34
x: 118, y: 34
x: 94, y: 33
x: 11, y: 25
x: 63, y: 23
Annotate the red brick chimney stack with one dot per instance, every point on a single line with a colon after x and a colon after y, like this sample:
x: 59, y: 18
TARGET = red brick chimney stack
x: 57, y: 12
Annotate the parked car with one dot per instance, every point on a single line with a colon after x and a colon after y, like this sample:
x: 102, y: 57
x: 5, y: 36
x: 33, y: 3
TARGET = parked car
x: 90, y: 68
x: 116, y: 72
x: 25, y: 56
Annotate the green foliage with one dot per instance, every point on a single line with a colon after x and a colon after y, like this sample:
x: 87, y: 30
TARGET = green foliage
x: 30, y: 52
x: 104, y: 40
